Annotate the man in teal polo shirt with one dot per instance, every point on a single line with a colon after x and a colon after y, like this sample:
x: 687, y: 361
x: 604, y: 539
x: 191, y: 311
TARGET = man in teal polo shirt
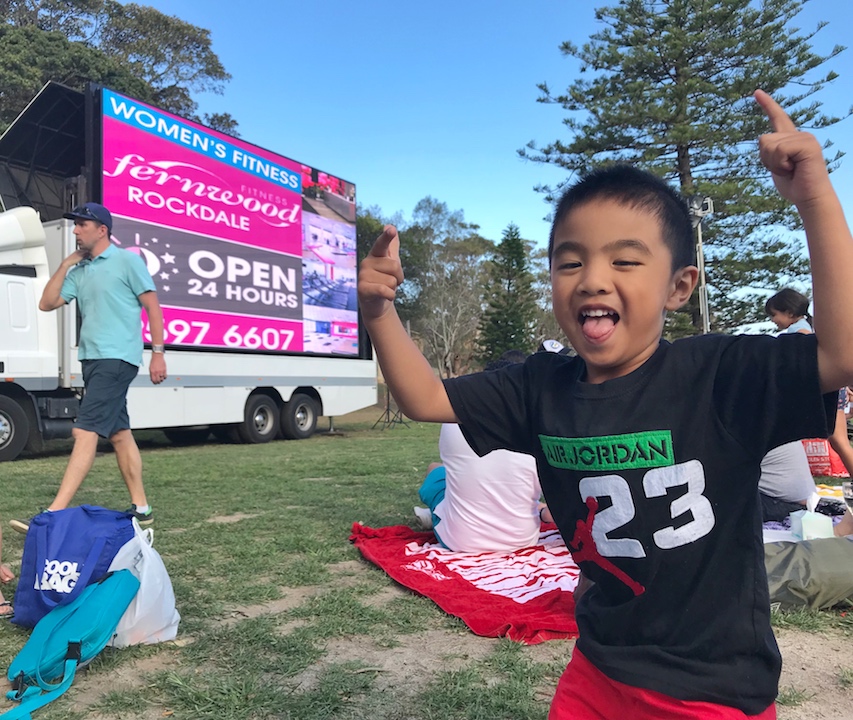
x: 110, y: 285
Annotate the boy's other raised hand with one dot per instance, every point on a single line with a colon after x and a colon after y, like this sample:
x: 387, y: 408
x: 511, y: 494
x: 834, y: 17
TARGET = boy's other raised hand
x: 794, y: 158
x: 380, y: 274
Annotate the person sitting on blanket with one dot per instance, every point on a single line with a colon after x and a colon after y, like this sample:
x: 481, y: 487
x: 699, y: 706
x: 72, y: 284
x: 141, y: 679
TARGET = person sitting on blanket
x: 786, y: 484
x: 649, y: 452
x: 481, y: 504
x: 786, y: 481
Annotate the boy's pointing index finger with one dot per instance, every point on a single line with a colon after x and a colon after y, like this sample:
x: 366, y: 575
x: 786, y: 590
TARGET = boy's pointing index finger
x: 387, y: 244
x: 779, y: 120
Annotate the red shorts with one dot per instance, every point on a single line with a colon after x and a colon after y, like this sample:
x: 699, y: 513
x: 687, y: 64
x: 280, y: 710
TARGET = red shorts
x: 585, y: 693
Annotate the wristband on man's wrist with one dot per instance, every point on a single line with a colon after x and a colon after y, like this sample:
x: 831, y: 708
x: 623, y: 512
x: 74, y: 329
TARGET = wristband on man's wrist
x: 158, y: 349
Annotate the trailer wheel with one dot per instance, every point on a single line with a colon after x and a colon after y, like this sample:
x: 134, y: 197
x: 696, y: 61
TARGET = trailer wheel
x: 14, y: 429
x: 299, y: 417
x: 260, y: 423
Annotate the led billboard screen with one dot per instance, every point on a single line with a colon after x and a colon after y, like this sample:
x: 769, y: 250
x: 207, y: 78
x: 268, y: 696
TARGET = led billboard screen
x: 249, y: 250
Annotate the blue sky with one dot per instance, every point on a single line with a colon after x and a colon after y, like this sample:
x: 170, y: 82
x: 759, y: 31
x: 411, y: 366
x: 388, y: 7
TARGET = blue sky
x: 414, y: 99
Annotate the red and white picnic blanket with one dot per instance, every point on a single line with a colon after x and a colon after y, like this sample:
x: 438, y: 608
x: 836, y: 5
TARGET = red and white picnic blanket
x: 526, y: 595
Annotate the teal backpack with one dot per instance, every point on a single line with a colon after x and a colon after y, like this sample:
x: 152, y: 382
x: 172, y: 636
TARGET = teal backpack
x: 68, y: 637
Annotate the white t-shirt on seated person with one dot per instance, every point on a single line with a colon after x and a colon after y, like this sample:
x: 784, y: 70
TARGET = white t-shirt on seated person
x: 490, y: 503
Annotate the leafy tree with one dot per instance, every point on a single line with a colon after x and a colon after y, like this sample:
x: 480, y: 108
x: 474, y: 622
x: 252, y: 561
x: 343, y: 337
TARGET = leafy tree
x: 368, y: 226
x: 507, y: 322
x: 453, y: 296
x: 666, y: 85
x: 72, y: 18
x: 440, y: 300
x: 132, y: 48
x: 31, y: 57
x: 545, y: 325
x: 173, y: 56
x: 433, y: 225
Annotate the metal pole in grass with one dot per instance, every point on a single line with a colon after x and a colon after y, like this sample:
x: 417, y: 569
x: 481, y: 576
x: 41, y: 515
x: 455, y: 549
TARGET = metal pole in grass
x: 699, y: 208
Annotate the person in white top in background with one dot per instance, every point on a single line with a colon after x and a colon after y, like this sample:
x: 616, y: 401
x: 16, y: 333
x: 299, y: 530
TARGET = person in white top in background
x: 782, y: 467
x: 482, y: 504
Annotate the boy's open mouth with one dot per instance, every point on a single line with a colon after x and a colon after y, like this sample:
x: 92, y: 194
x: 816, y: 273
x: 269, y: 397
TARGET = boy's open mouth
x: 597, y: 325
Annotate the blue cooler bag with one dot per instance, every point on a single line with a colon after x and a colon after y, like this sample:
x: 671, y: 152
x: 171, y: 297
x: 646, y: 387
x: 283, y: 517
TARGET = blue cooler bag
x: 65, y: 551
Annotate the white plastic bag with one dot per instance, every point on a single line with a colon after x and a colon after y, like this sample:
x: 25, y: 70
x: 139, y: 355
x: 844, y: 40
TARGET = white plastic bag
x: 151, y: 616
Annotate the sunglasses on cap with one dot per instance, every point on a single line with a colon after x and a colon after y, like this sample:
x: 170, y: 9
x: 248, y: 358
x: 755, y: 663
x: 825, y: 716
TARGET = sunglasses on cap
x: 98, y: 214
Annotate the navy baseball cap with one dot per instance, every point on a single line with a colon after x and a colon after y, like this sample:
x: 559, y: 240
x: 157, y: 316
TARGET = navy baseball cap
x: 92, y: 211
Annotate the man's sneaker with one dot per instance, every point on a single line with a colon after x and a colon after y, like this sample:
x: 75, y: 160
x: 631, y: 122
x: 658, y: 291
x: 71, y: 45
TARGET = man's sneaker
x: 144, y: 519
x: 21, y: 526
x: 424, y: 516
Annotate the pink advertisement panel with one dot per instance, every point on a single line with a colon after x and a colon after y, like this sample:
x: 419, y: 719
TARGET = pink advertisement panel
x: 160, y: 182
x: 249, y: 250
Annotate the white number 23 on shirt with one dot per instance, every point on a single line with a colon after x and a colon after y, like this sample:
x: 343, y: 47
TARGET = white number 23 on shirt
x: 655, y: 484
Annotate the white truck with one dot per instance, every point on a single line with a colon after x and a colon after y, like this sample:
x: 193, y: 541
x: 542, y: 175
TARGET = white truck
x: 253, y: 256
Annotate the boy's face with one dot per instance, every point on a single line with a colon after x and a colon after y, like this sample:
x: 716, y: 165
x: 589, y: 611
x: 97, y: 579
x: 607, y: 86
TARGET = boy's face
x: 612, y: 283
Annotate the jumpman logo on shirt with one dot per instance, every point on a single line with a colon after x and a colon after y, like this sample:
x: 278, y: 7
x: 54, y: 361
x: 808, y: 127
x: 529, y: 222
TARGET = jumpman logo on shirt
x: 583, y: 548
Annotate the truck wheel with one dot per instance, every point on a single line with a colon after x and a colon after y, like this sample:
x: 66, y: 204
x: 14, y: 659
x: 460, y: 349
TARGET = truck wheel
x: 299, y: 417
x: 260, y: 423
x: 14, y: 429
x: 186, y: 436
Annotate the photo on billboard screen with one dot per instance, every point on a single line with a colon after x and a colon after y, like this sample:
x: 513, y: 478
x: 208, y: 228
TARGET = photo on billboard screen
x: 249, y: 250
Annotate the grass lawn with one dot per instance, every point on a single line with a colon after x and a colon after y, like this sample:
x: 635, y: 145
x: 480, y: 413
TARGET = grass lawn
x: 281, y: 618
x: 273, y: 597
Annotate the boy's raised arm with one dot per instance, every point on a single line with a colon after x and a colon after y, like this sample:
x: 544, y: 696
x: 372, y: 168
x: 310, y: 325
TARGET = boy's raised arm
x: 419, y: 393
x: 795, y: 159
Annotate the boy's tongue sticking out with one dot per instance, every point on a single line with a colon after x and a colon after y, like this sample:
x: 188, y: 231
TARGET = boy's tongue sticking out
x: 598, y: 324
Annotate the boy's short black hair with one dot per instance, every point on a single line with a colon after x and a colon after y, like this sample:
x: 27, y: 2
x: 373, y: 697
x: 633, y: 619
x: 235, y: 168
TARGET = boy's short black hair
x: 637, y: 188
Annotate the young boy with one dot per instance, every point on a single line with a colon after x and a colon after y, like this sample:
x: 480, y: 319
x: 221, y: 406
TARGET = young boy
x: 649, y: 453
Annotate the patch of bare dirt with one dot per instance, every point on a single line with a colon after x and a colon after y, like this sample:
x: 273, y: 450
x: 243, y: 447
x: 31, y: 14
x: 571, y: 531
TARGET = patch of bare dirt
x: 292, y: 597
x: 812, y: 663
x: 411, y: 664
x: 227, y: 519
x: 86, y: 690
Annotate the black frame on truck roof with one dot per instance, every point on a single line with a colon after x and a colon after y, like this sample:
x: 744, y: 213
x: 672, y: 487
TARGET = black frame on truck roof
x: 43, y: 153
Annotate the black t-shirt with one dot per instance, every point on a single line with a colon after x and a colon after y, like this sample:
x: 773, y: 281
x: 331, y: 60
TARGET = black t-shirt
x: 652, y: 479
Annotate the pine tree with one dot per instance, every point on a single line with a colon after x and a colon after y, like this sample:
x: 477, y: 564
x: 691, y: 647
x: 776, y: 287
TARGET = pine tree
x: 507, y: 322
x: 667, y: 85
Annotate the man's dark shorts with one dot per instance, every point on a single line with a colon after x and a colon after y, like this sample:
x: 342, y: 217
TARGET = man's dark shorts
x: 104, y: 406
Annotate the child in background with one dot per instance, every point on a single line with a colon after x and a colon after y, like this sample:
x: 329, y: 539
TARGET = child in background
x: 789, y: 310
x: 649, y: 452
